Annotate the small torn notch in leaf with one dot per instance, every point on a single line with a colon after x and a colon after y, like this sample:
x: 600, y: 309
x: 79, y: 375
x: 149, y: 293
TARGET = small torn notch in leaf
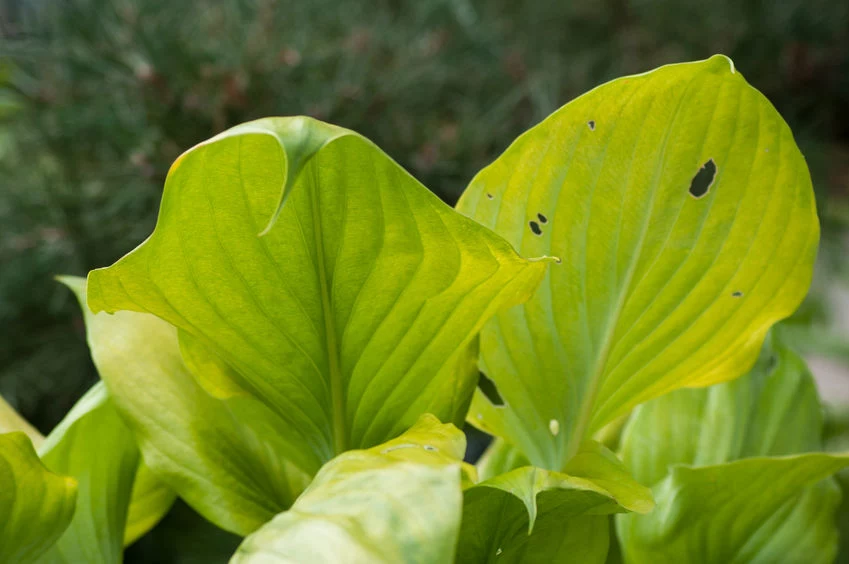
x: 703, y: 179
x: 535, y: 228
x: 487, y: 387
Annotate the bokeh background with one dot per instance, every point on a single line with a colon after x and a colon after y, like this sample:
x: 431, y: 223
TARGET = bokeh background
x: 98, y: 97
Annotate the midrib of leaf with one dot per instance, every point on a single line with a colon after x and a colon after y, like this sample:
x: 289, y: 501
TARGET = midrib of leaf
x: 585, y: 415
x: 340, y: 440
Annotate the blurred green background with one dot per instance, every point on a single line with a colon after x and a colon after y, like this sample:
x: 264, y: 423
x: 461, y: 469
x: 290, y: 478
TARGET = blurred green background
x: 98, y: 97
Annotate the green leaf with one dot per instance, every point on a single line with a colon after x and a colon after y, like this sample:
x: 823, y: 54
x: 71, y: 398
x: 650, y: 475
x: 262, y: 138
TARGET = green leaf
x: 221, y: 456
x: 93, y: 446
x: 399, y: 502
x: 151, y: 499
x: 774, y: 410
x: 751, y: 510
x: 535, y: 515
x: 726, y: 473
x: 499, y: 457
x: 349, y: 315
x: 36, y: 505
x: 658, y: 288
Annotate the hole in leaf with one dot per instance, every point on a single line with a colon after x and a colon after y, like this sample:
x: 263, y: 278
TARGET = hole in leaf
x: 737, y: 294
x: 430, y: 448
x: 542, y: 218
x: 591, y: 123
x: 487, y: 387
x: 490, y: 196
x: 535, y: 228
x: 703, y: 179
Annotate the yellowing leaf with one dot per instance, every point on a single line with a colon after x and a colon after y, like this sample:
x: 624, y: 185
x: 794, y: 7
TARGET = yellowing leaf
x: 683, y: 215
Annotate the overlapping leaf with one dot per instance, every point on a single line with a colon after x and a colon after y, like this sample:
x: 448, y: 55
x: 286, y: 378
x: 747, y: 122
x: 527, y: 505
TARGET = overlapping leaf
x: 93, y: 446
x: 684, y: 217
x: 222, y: 456
x: 727, y: 473
x: 397, y: 503
x: 36, y: 505
x: 350, y: 314
x: 535, y: 515
x: 95, y: 450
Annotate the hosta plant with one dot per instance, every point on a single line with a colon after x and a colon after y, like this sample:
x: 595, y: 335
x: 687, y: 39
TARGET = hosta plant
x: 294, y: 347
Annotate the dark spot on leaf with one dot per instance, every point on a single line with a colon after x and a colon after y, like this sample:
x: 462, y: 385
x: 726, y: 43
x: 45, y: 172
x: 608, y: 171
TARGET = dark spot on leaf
x: 488, y: 195
x: 542, y: 218
x: 703, y: 179
x: 487, y: 387
x: 591, y: 123
x: 737, y: 294
x: 430, y: 448
x: 535, y: 228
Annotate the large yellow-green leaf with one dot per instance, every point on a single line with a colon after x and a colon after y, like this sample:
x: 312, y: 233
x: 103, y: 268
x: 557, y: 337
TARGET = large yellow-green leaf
x: 534, y: 515
x: 93, y: 446
x: 683, y: 214
x: 727, y: 473
x: 397, y: 503
x: 36, y: 505
x: 222, y: 456
x: 349, y: 315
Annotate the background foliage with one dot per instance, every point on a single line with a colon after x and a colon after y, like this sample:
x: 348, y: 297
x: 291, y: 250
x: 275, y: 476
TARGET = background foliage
x: 97, y: 98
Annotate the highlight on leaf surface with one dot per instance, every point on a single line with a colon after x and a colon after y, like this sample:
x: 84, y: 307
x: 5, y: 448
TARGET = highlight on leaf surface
x: 399, y: 502
x: 734, y: 472
x: 223, y: 457
x: 338, y: 290
x: 36, y: 505
x: 685, y: 220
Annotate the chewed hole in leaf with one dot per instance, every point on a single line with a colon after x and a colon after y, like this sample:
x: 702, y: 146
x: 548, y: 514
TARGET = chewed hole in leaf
x: 535, y: 228
x: 487, y: 387
x: 703, y: 179
x: 591, y: 124
x: 430, y: 448
x: 490, y: 196
x: 737, y: 294
x: 542, y: 218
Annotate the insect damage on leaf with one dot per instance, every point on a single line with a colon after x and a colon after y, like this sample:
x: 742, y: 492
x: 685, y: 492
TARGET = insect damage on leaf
x: 535, y: 228
x: 703, y: 179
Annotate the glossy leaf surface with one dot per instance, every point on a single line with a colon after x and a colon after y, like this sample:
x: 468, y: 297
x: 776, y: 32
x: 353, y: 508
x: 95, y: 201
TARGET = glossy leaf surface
x: 726, y: 471
x: 396, y: 503
x: 221, y: 456
x: 347, y: 315
x: 36, y: 505
x: 684, y: 217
